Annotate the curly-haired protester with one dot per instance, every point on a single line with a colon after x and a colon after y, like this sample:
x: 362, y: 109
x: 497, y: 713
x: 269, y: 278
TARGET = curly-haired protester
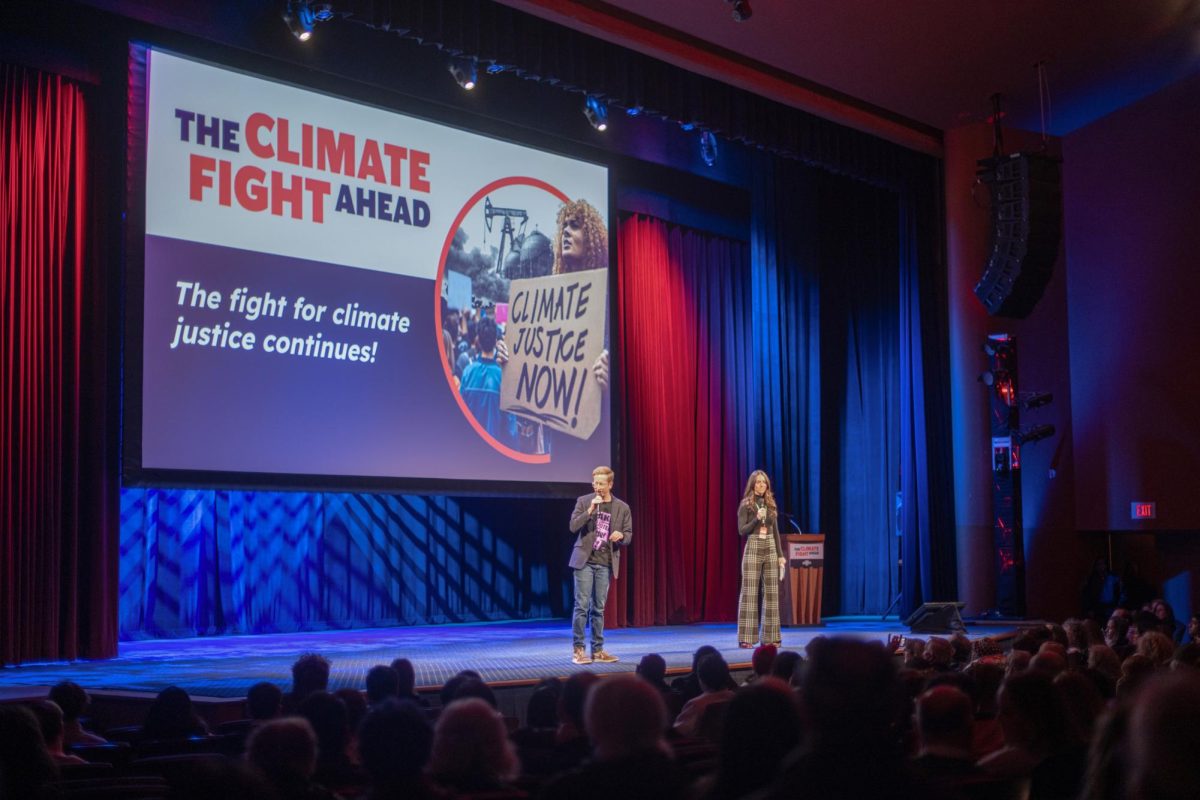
x: 580, y: 238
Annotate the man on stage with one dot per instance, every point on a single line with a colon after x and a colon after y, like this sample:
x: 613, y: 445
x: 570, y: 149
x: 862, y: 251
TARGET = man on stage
x: 603, y: 525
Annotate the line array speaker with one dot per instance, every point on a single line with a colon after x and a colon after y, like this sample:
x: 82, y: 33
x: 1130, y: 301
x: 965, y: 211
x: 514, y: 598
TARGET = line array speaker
x: 1026, y: 194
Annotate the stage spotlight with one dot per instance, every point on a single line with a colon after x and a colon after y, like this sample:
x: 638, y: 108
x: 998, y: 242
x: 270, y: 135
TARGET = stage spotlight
x: 987, y: 378
x: 299, y: 21
x: 741, y: 10
x: 302, y: 15
x: 708, y: 148
x: 1037, y: 400
x: 1034, y: 434
x: 596, y: 112
x: 465, y: 72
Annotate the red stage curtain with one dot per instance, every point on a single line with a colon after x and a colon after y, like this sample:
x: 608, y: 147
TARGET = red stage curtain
x: 57, y: 579
x: 684, y: 359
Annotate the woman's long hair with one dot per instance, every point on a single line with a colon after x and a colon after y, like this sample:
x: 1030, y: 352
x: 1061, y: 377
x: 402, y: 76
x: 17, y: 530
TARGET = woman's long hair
x: 595, y: 237
x: 748, y: 496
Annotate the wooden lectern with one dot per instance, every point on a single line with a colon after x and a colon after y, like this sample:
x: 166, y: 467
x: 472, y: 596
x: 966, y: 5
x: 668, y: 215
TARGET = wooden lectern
x: 805, y: 554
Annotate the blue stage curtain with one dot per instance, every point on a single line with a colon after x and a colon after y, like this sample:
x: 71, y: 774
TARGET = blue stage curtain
x: 785, y: 272
x: 850, y: 377
x: 927, y: 514
x: 860, y: 456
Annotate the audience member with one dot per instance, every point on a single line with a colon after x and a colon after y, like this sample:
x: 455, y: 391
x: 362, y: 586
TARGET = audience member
x: 26, y: 770
x: 1102, y: 591
x: 50, y: 720
x: 713, y: 673
x: 1076, y: 636
x: 785, y: 666
x: 1116, y: 636
x: 264, y: 701
x: 73, y: 701
x: 761, y: 663
x: 987, y: 736
x: 1167, y: 624
x: 310, y: 674
x: 1187, y: 657
x: 172, y: 716
x: 471, y: 751
x: 1136, y: 591
x: 1018, y: 662
x: 944, y: 720
x: 356, y: 706
x: 535, y: 740
x: 762, y: 725
x: 1082, y: 702
x: 625, y: 719
x: 449, y: 690
x: 940, y: 654
x: 1144, y: 622
x: 475, y: 687
x: 1108, y: 769
x: 1040, y: 743
x: 1134, y: 671
x: 1102, y: 660
x: 850, y: 700
x: 688, y: 686
x: 330, y: 721
x: 394, y: 742
x: 962, y: 649
x: 541, y: 713
x: 1156, y: 646
x: 382, y: 683
x: 571, y: 745
x: 1048, y: 661
x: 285, y: 752
x: 653, y: 669
x: 1163, y: 739
x: 407, y: 689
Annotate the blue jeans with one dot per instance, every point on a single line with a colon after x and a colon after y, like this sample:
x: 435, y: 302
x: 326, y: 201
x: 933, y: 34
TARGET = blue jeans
x: 591, y: 593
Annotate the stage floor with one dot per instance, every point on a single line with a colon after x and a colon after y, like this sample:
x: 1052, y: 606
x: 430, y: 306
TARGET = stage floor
x: 507, y: 653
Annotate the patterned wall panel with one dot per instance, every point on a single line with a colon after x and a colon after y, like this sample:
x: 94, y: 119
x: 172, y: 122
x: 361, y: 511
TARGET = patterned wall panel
x: 197, y: 562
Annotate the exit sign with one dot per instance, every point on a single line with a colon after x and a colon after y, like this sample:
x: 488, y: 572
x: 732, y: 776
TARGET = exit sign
x: 1142, y: 510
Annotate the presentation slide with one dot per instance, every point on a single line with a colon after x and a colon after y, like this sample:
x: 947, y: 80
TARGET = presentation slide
x: 334, y: 289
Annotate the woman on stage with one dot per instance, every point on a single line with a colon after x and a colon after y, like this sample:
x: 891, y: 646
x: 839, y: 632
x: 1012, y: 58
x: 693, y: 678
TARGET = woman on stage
x: 762, y: 562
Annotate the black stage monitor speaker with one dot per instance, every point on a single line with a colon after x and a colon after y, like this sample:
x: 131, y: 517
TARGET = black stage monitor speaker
x: 1026, y: 194
x: 936, y: 618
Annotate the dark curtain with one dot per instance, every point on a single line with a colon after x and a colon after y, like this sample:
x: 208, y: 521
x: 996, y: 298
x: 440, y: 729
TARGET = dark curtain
x: 927, y: 497
x: 860, y: 330
x: 851, y: 407
x: 684, y: 356
x: 786, y: 279
x: 56, y: 478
